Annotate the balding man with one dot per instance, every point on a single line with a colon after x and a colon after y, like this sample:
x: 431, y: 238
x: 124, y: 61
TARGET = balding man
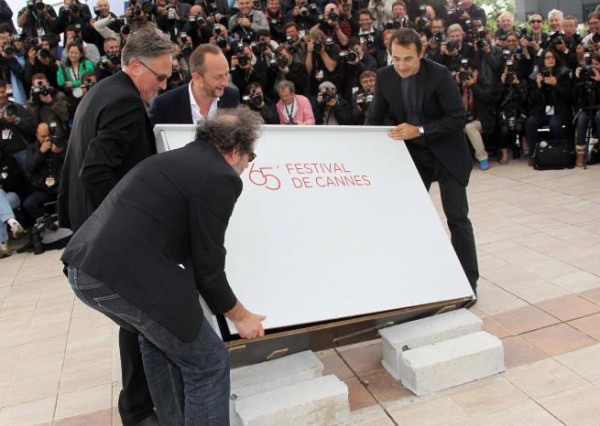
x: 200, y: 98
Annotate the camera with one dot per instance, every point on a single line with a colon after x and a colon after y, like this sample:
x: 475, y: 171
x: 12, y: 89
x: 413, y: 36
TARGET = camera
x: 125, y: 29
x: 74, y: 8
x: 281, y: 61
x: 171, y: 13
x: 254, y: 99
x: 11, y: 110
x: 56, y: 140
x: 437, y: 38
x: 44, y: 53
x: 333, y: 16
x: 451, y: 46
x: 9, y: 50
x: 522, y: 30
x: 260, y: 47
x: 465, y: 75
x: 256, y: 4
x: 328, y: 97
x: 318, y: 46
x: 39, y: 90
x: 243, y: 60
x: 364, y: 99
x: 186, y: 51
x: 349, y: 55
x: 114, y: 59
x: 510, y: 73
x: 545, y: 71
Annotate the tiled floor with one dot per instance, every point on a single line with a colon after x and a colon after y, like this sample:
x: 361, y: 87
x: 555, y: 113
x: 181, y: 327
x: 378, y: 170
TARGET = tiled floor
x: 538, y: 236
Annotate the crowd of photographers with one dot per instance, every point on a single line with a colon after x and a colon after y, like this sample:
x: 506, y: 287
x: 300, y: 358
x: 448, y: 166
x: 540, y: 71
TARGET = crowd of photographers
x: 297, y: 62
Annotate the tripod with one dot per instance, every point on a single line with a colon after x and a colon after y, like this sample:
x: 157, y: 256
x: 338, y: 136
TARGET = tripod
x: 588, y: 109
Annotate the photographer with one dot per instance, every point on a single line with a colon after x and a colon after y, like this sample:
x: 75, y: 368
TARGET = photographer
x: 587, y: 98
x: 37, y: 19
x: 48, y: 105
x: 399, y: 18
x: 361, y: 100
x: 305, y: 14
x: 593, y: 36
x: 40, y: 60
x: 75, y: 65
x: 433, y: 49
x: 198, y: 26
x: 354, y: 62
x: 110, y: 63
x: 331, y: 26
x: 536, y: 40
x: 256, y: 101
x: 44, y: 167
x: 90, y: 51
x: 294, y: 43
x: 486, y: 58
x: 169, y: 16
x: 512, y: 111
x: 276, y: 19
x: 369, y: 37
x: 321, y: 60
x: 478, y: 99
x: 264, y: 48
x: 247, y: 20
x: 506, y: 25
x: 286, y: 68
x: 75, y: 15
x: 455, y: 49
x: 550, y: 100
x: 16, y: 128
x: 382, y: 12
x: 246, y: 69
x: 329, y: 108
x: 12, y: 188
x: 12, y: 61
x: 347, y: 18
x: 180, y: 75
x: 573, y: 41
x: 292, y: 108
x: 466, y: 11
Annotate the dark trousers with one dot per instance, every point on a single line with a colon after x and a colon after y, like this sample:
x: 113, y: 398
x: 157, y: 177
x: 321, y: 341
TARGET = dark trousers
x: 455, y: 205
x: 135, y: 402
x: 34, y: 203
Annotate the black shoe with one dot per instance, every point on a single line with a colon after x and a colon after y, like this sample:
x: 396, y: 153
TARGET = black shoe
x: 151, y: 420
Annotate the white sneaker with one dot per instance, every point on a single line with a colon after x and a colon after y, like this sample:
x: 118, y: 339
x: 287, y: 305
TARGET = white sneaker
x: 16, y: 229
x: 4, y: 250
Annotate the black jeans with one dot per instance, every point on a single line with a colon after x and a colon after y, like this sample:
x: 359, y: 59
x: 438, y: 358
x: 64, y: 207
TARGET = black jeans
x: 455, y: 205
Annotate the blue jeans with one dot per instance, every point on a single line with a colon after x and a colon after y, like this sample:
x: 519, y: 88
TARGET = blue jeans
x: 189, y: 382
x: 8, y: 202
x: 535, y: 121
x: 582, y: 124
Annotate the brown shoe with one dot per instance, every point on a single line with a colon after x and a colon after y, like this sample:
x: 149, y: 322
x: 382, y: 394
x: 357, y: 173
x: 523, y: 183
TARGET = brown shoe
x: 530, y: 162
x: 580, y: 159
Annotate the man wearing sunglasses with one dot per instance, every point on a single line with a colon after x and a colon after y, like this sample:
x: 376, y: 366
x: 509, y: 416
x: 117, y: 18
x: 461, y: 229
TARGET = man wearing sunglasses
x: 157, y: 242
x: 112, y: 133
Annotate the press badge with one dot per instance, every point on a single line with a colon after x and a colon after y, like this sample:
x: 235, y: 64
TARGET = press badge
x: 319, y: 75
x: 549, y: 110
x: 6, y: 133
x: 50, y: 181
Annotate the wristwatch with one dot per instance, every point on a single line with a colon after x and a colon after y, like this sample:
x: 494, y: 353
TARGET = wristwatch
x: 421, y: 131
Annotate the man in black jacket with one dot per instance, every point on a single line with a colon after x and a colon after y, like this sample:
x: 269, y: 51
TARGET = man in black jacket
x: 420, y: 98
x: 44, y: 168
x: 156, y: 244
x: 111, y: 133
x: 198, y: 100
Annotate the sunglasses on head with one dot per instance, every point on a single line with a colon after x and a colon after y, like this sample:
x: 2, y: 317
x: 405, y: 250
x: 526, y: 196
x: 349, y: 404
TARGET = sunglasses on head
x: 536, y: 21
x: 159, y: 77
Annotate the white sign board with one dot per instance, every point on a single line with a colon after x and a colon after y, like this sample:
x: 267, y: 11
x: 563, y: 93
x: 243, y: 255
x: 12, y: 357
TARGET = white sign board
x: 333, y: 222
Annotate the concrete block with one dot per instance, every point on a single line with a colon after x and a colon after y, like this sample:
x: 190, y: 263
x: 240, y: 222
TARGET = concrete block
x: 423, y: 332
x: 320, y: 401
x: 276, y: 373
x: 269, y: 375
x: 450, y: 363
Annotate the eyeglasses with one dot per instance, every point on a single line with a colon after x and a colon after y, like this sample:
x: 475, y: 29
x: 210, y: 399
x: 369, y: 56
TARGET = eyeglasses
x: 535, y: 21
x: 159, y: 77
x: 251, y: 156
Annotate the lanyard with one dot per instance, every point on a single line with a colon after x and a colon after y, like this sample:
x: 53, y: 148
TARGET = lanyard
x: 290, y: 112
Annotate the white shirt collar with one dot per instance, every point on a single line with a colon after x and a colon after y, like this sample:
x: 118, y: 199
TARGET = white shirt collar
x: 196, y: 114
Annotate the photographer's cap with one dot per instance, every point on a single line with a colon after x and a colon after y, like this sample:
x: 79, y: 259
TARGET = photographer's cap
x: 327, y: 85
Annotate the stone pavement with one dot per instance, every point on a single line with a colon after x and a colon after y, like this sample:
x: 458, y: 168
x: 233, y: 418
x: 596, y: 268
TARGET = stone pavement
x: 538, y: 238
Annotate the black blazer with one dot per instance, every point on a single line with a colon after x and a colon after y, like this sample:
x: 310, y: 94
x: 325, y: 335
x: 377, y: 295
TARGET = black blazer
x: 171, y: 209
x: 442, y: 113
x: 173, y: 106
x: 111, y: 133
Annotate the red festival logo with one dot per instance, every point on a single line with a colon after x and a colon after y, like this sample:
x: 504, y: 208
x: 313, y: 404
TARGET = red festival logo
x: 261, y: 176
